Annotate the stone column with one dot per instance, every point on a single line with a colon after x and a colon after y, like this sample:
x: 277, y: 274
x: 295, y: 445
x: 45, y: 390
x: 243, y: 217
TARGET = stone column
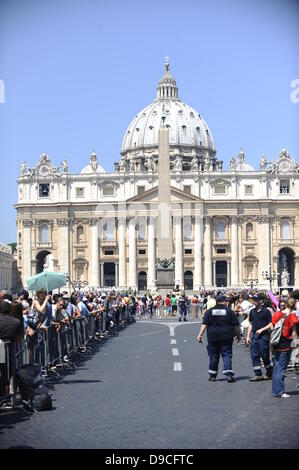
x: 116, y: 275
x: 151, y: 242
x: 264, y: 258
x: 132, y: 255
x: 228, y: 274
x: 296, y: 269
x: 197, y: 253
x: 234, y: 252
x: 207, y: 253
x: 27, y: 234
x: 102, y: 275
x: 64, y: 245
x: 122, y: 252
x: 240, y: 251
x: 179, y: 276
x: 214, y: 273
x: 94, y: 280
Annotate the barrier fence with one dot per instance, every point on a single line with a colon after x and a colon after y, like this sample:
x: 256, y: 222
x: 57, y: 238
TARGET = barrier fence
x: 51, y: 348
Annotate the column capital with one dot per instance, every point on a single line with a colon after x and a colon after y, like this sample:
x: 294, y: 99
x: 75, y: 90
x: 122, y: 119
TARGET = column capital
x: 93, y: 222
x: 208, y: 219
x: 62, y: 222
x: 28, y: 223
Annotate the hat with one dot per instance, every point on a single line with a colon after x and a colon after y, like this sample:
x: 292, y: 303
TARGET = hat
x: 66, y: 296
x: 220, y: 298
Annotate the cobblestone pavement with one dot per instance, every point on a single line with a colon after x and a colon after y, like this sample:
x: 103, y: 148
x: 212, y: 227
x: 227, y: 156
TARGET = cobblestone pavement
x: 128, y: 393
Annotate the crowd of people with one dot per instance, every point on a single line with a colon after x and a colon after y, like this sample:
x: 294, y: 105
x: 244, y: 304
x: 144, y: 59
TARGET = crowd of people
x: 257, y: 312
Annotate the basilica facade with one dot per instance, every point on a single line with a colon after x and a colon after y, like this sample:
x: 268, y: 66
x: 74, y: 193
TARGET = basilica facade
x: 230, y: 228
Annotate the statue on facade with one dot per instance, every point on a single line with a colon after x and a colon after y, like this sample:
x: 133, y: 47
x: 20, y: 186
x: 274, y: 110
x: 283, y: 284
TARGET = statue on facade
x: 178, y: 164
x: 65, y: 166
x: 285, y: 278
x: 31, y: 172
x: 132, y: 165
x: 23, y: 168
x: 263, y: 163
x: 94, y: 162
x: 149, y: 164
x: 194, y: 163
x: 122, y: 165
x: 219, y: 165
x: 233, y: 164
x: 206, y: 165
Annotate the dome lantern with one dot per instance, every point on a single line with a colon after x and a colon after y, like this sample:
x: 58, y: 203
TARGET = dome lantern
x: 167, y: 88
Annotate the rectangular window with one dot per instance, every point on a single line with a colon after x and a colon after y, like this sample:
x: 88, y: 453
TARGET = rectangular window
x: 44, y: 190
x: 221, y: 251
x: 140, y: 189
x: 142, y: 252
x: 79, y: 192
x: 284, y: 187
x: 187, y: 189
x: 109, y: 252
x: 220, y: 188
x: 108, y: 191
x: 188, y: 251
x: 248, y: 189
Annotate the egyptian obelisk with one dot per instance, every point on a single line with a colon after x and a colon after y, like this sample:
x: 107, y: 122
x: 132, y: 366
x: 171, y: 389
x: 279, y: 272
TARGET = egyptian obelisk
x: 165, y: 270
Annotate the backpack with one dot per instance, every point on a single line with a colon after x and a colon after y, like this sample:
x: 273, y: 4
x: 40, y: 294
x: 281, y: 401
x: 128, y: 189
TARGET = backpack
x: 33, y: 393
x: 275, y: 334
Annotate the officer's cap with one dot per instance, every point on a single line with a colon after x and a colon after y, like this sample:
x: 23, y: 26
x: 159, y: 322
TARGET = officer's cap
x: 220, y: 298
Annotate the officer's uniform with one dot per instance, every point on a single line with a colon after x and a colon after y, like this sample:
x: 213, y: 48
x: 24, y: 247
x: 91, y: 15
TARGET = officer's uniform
x: 260, y: 347
x: 221, y: 322
x: 182, y: 303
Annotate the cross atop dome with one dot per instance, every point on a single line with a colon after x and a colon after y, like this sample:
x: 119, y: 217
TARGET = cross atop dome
x: 167, y: 63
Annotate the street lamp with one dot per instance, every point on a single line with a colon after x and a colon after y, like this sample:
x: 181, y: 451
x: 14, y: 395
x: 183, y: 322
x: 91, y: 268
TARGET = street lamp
x: 270, y: 275
x: 251, y: 282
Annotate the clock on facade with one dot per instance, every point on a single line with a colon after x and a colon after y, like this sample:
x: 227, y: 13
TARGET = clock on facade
x: 284, y: 166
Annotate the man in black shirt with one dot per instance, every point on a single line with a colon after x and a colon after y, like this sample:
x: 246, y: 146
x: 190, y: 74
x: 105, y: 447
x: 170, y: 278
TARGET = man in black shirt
x: 222, y: 325
x: 260, y: 324
x: 10, y: 327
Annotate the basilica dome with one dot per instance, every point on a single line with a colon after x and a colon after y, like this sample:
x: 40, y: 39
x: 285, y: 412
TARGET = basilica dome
x: 186, y: 126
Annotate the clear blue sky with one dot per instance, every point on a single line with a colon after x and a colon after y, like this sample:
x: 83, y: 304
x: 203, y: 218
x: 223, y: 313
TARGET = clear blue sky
x: 77, y: 72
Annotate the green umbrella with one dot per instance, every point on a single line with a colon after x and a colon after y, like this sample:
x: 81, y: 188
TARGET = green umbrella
x: 46, y: 280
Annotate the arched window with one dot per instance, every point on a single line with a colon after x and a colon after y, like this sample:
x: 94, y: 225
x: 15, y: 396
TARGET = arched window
x: 80, y: 234
x: 44, y: 233
x: 249, y: 231
x: 220, y: 230
x: 285, y: 230
x: 20, y: 238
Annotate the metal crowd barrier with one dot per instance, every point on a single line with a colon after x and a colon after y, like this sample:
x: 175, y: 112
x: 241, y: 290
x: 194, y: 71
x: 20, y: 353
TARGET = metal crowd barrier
x: 49, y: 348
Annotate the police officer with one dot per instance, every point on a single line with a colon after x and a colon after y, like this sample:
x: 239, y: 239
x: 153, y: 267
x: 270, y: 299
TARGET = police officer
x: 182, y: 303
x: 222, y: 325
x: 260, y: 324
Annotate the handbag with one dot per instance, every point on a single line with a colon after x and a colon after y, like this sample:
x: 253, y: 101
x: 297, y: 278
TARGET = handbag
x: 275, y: 334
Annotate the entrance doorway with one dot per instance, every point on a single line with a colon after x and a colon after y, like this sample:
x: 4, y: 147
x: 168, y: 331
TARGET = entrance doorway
x: 44, y: 261
x: 188, y: 280
x: 109, y: 274
x: 286, y: 262
x: 221, y: 274
x: 142, y: 281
